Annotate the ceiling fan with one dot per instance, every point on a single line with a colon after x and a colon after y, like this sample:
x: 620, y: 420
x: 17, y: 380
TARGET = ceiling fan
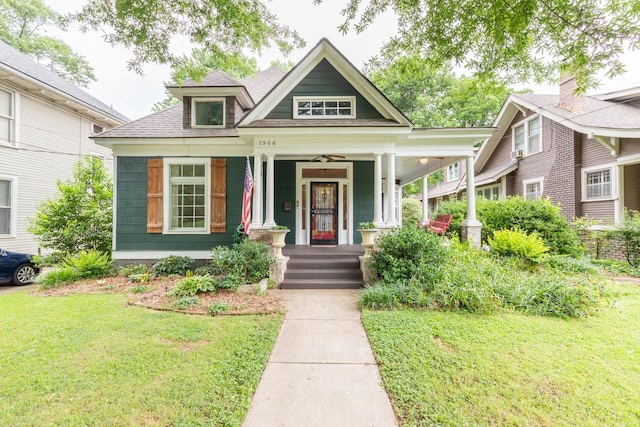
x: 327, y: 158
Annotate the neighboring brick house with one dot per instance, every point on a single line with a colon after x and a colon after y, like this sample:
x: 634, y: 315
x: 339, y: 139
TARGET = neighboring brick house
x: 583, y: 152
x: 45, y: 127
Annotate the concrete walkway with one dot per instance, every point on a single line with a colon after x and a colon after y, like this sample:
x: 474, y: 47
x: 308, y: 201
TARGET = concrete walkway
x: 322, y: 371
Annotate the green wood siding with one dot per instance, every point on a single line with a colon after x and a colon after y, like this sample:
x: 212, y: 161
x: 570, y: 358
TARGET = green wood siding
x: 362, y: 196
x: 131, y: 211
x: 324, y: 80
x: 285, y: 183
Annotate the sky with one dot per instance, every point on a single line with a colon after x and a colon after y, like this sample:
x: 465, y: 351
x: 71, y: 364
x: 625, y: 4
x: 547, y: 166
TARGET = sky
x: 134, y: 95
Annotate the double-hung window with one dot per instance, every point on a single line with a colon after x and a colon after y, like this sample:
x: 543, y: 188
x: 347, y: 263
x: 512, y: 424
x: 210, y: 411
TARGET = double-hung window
x: 598, y: 184
x: 527, y: 137
x: 7, y: 206
x: 7, y: 117
x: 532, y: 189
x: 453, y: 172
x: 329, y: 107
x: 188, y: 201
x: 207, y: 112
x: 489, y: 193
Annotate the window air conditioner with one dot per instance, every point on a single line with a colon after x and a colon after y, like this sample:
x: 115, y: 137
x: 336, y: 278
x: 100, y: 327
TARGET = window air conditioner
x: 516, y: 154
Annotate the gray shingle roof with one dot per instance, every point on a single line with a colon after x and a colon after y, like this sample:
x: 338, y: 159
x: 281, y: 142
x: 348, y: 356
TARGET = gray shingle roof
x: 21, y: 64
x: 216, y: 78
x: 164, y: 124
x: 303, y: 123
x: 263, y: 82
x: 599, y: 114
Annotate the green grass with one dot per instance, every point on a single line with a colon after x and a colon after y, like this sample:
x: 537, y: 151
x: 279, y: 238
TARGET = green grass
x: 455, y: 369
x: 90, y: 360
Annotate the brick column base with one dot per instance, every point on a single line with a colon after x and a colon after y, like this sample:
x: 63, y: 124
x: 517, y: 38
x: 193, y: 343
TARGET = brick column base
x: 472, y: 231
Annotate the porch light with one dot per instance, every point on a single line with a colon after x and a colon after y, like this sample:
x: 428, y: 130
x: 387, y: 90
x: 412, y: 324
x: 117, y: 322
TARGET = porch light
x: 423, y: 160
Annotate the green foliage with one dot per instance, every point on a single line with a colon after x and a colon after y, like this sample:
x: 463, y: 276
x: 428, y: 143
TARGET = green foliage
x: 80, y: 217
x: 90, y: 264
x: 411, y: 212
x: 247, y: 260
x: 230, y: 282
x: 532, y: 216
x: 406, y: 253
x: 521, y: 40
x: 567, y: 264
x: 217, y: 307
x: 57, y: 277
x: 192, y: 285
x: 628, y: 231
x: 24, y: 24
x: 186, y: 302
x: 367, y: 225
x: 415, y: 187
x: 138, y: 289
x: 518, y: 243
x: 219, y: 29
x: 173, y: 264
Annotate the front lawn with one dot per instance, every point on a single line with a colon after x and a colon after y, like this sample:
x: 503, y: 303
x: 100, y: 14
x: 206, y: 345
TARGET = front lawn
x: 457, y: 368
x: 90, y: 360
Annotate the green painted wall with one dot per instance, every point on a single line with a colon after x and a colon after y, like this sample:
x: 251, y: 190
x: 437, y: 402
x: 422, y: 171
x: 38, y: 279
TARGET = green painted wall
x: 285, y: 182
x: 131, y: 211
x: 362, y: 196
x: 324, y: 80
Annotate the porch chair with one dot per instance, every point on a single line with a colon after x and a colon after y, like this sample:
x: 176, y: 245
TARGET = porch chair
x: 440, y: 224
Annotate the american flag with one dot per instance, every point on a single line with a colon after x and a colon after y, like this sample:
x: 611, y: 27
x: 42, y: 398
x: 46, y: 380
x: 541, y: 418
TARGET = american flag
x: 246, y: 198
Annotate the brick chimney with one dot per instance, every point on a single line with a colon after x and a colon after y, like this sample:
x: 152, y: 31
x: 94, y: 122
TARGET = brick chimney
x: 568, y: 98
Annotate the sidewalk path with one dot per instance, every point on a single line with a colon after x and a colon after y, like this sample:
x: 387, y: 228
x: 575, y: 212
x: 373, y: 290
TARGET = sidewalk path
x: 322, y: 371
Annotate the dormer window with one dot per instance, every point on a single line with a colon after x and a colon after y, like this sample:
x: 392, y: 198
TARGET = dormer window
x: 324, y: 107
x: 207, y: 112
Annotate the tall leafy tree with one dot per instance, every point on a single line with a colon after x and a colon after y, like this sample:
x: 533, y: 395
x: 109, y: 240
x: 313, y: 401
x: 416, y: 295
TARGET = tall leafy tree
x: 22, y: 25
x: 517, y: 39
x: 80, y: 217
x: 222, y: 28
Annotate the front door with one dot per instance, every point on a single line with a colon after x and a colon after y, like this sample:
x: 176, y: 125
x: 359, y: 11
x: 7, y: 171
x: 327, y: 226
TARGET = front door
x: 324, y: 213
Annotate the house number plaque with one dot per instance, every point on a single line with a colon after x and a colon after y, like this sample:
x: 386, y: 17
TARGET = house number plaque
x: 264, y: 142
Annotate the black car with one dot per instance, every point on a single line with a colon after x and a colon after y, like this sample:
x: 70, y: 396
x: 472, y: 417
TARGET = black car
x: 16, y: 268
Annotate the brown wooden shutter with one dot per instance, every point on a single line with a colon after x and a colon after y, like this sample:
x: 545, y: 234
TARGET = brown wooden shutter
x: 154, y: 195
x: 218, y: 195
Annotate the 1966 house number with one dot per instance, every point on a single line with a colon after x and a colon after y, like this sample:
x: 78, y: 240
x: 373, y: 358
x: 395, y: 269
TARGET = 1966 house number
x: 266, y: 142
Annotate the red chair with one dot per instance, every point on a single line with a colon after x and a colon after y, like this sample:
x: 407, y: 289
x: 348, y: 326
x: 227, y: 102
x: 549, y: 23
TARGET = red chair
x: 440, y: 224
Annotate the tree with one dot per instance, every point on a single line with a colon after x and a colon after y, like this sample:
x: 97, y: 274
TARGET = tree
x: 21, y: 25
x: 80, y: 218
x: 516, y: 39
x: 222, y: 28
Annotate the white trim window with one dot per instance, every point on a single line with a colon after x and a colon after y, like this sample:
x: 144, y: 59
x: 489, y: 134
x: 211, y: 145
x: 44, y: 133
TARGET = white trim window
x: 187, y: 203
x: 532, y: 188
x: 527, y: 136
x: 96, y: 128
x: 324, y: 107
x: 453, y: 172
x: 208, y: 112
x: 492, y: 192
x: 597, y: 183
x: 8, y: 202
x: 7, y: 117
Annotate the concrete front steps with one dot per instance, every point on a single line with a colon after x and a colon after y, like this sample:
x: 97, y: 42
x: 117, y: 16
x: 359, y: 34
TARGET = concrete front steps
x: 323, y: 267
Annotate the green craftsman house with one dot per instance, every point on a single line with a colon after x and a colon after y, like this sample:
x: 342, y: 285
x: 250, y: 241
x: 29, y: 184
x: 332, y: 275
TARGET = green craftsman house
x: 327, y: 150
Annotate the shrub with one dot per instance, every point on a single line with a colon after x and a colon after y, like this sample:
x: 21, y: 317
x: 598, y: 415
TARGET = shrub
x: 138, y: 289
x: 411, y: 212
x: 57, y: 277
x: 90, y: 264
x: 406, y: 253
x: 173, y: 264
x: 230, y: 282
x: 567, y: 264
x: 132, y: 269
x: 185, y: 302
x: 247, y: 261
x: 628, y: 232
x: 217, y: 307
x: 518, y: 243
x: 539, y: 216
x: 192, y: 285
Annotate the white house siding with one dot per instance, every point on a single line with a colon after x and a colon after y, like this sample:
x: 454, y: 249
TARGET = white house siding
x: 51, y: 140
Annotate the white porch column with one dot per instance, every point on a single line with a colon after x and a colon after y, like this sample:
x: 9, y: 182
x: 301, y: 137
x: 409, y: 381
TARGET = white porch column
x: 256, y: 220
x: 377, y: 191
x: 425, y: 200
x: 471, y: 227
x: 391, y: 220
x: 270, y: 199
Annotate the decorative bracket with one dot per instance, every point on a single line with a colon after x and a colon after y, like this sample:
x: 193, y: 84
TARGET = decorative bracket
x: 611, y: 143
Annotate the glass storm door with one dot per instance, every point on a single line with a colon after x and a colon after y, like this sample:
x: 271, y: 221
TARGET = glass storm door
x: 324, y: 213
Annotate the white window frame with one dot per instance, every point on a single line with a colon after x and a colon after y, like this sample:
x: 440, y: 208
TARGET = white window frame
x: 525, y: 125
x: 351, y: 99
x: 13, y: 208
x: 490, y: 188
x: 527, y: 182
x: 613, y: 176
x: 167, y: 194
x: 12, y: 119
x: 195, y: 100
x: 93, y: 126
x: 453, y: 172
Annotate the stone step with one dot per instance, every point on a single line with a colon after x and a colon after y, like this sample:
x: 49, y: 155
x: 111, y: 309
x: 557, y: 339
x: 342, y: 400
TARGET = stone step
x: 321, y: 284
x: 326, y: 273
x: 323, y: 263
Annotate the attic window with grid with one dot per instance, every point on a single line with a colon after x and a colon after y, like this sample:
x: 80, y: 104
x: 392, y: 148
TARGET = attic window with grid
x: 96, y: 129
x: 207, y: 112
x: 324, y: 107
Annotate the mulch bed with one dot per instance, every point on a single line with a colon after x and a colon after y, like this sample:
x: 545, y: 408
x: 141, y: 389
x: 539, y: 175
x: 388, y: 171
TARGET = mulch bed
x: 156, y: 295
